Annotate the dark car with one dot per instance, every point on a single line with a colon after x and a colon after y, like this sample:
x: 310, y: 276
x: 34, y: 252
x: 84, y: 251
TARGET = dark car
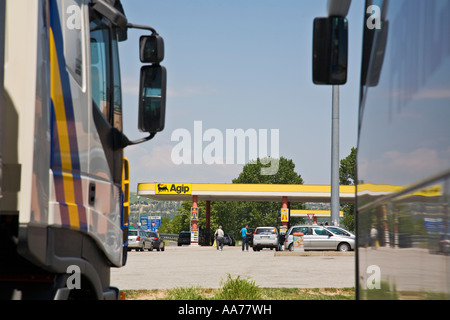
x: 250, y: 236
x: 228, y: 239
x: 444, y: 244
x: 184, y: 238
x: 158, y: 242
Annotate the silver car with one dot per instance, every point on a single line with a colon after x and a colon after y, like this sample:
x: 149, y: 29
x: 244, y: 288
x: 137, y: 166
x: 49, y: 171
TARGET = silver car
x: 340, y: 231
x: 319, y: 238
x: 137, y: 239
x: 265, y: 237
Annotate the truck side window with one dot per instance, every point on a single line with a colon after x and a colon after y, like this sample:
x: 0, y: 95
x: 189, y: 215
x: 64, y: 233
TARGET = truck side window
x: 100, y: 55
x: 73, y: 39
x: 117, y: 96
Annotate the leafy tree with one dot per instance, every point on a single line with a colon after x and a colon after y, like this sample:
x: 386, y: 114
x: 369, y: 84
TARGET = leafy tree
x: 347, y: 169
x: 251, y: 173
x: 234, y: 215
x: 347, y: 176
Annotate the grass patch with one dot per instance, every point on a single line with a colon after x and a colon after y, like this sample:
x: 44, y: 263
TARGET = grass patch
x: 190, y: 293
x: 242, y: 289
x: 238, y: 289
x: 308, y: 294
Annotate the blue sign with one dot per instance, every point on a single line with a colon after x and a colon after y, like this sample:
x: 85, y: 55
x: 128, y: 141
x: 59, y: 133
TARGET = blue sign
x: 154, y: 223
x: 145, y: 223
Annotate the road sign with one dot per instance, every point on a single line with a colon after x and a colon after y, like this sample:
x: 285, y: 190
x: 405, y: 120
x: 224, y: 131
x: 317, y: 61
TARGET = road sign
x: 145, y: 225
x: 194, y: 213
x: 284, y: 215
x: 154, y: 222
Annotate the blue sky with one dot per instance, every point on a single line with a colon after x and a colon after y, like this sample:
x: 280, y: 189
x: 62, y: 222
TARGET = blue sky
x: 239, y: 64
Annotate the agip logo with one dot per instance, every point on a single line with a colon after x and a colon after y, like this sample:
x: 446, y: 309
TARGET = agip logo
x: 173, y: 188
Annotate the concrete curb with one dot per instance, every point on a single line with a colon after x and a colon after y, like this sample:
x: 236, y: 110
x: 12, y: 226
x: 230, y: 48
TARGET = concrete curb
x: 313, y: 253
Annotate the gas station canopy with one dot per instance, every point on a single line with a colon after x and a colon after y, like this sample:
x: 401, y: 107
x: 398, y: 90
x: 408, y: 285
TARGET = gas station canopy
x: 243, y: 192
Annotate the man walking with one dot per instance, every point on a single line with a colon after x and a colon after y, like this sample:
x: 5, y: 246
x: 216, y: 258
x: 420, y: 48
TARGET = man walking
x: 219, y: 238
x: 245, y: 233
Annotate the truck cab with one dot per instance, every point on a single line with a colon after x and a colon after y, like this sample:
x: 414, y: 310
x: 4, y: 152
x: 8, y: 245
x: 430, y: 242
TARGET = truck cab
x: 63, y: 175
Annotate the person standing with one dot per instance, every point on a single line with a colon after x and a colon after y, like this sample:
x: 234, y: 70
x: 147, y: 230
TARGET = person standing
x: 245, y: 233
x: 373, y: 237
x: 219, y: 238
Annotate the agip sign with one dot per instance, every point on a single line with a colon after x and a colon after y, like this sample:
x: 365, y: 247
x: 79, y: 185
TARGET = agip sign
x: 173, y: 188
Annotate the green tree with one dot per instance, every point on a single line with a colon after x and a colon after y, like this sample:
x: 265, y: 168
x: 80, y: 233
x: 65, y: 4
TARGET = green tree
x: 347, y: 176
x: 347, y: 169
x: 234, y: 215
x: 251, y: 173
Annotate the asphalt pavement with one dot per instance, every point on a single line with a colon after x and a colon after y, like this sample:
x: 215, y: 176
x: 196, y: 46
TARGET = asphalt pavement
x: 207, y: 267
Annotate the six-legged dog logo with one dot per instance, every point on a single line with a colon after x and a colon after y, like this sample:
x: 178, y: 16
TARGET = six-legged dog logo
x: 162, y: 187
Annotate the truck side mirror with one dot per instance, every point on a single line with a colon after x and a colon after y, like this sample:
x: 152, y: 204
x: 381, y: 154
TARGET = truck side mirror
x: 330, y: 50
x: 152, y: 98
x: 151, y: 48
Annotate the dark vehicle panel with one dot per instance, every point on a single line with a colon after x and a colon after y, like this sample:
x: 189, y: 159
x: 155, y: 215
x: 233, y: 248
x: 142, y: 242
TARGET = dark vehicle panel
x: 158, y: 242
x: 228, y: 239
x: 403, y: 157
x: 184, y: 238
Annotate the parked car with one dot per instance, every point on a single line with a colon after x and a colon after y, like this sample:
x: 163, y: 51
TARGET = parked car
x: 138, y: 240
x: 265, y: 237
x: 340, y: 231
x: 158, y: 242
x: 319, y: 238
x: 184, y: 238
x: 250, y: 236
x: 444, y: 244
x: 228, y: 239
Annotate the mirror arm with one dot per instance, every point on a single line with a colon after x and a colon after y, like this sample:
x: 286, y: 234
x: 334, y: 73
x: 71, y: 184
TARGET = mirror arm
x: 122, y: 141
x: 130, y: 143
x: 139, y: 26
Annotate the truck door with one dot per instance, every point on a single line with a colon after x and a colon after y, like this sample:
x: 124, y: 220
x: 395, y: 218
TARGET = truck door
x: 105, y: 156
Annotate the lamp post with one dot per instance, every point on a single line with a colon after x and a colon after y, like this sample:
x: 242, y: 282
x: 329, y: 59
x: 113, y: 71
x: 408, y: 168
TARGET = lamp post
x: 335, y: 157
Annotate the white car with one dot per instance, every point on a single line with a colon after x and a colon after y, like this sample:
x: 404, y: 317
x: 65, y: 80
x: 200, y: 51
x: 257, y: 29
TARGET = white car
x: 265, y: 237
x: 319, y: 238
